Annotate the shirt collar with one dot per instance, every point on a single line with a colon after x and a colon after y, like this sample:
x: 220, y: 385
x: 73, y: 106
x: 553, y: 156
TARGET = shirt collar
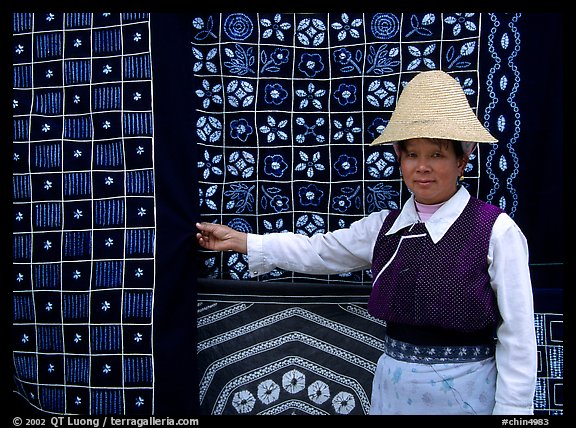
x: 441, y: 220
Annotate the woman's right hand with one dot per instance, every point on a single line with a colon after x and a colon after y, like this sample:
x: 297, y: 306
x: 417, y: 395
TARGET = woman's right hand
x: 218, y: 237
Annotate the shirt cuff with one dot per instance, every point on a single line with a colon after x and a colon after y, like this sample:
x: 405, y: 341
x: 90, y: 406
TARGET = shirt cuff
x: 255, y: 254
x: 505, y: 409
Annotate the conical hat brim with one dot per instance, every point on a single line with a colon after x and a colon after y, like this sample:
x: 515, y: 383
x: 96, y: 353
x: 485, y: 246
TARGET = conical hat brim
x: 433, y: 105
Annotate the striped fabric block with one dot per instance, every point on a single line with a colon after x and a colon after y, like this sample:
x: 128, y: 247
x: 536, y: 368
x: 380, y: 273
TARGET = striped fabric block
x: 74, y: 129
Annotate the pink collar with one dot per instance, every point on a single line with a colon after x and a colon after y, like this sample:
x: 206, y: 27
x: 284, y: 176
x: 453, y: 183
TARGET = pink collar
x: 425, y: 211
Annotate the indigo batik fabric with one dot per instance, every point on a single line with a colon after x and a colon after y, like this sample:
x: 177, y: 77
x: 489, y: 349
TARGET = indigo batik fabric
x: 128, y: 128
x: 262, y: 352
x: 287, y: 105
x: 83, y: 212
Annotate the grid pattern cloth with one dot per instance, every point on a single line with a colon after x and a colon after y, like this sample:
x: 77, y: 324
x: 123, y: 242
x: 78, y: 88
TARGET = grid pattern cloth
x: 84, y: 212
x: 287, y: 105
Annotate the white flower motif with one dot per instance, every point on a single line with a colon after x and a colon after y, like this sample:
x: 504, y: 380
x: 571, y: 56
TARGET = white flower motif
x: 76, y: 274
x: 25, y: 338
x: 106, y: 305
x: 210, y: 166
x: 311, y: 31
x: 294, y: 381
x: 137, y: 37
x: 138, y: 337
x: 460, y: 21
x: 109, y: 242
x: 139, y: 401
x: 312, y: 95
x: 139, y: 272
x: 141, y: 211
x: 346, y: 27
x: 309, y: 164
x: 107, y: 69
x: 77, y: 153
x: 137, y: 96
x: 343, y: 403
x: 19, y: 216
x: 108, y: 181
x: 77, y: 43
x: 14, y: 103
x: 47, y: 245
x: 275, y: 27
x: 49, y: 73
x: 273, y: 129
x: 243, y: 401
x: 16, y: 157
x: 19, y: 49
x: 47, y: 184
x: 45, y: 127
x: 106, y: 124
x: 76, y: 99
x: 78, y: 214
x: 49, y: 306
x: 319, y: 392
x: 19, y: 277
x: 106, y: 369
x: 78, y: 401
x: 49, y: 17
x: 346, y: 130
x: 139, y: 150
x: 51, y: 368
x: 77, y: 338
x: 268, y: 391
x: 209, y: 95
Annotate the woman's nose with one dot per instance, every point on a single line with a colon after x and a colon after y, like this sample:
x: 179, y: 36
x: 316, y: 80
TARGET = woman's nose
x: 423, y: 166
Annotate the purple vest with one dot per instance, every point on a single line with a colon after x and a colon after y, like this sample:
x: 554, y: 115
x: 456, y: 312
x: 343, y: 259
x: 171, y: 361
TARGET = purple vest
x: 417, y: 282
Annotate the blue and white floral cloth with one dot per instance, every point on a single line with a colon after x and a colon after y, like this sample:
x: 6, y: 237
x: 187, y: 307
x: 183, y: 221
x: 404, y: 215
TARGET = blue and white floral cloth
x: 286, y: 105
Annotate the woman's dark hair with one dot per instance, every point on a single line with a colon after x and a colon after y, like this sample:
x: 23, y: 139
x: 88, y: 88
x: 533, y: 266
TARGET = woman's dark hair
x: 458, y: 149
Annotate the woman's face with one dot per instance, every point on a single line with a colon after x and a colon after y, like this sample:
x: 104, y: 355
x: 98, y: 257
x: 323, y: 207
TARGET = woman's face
x: 430, y: 169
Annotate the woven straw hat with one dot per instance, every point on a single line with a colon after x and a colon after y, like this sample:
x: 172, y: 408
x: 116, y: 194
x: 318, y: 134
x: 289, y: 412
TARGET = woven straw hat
x: 433, y: 105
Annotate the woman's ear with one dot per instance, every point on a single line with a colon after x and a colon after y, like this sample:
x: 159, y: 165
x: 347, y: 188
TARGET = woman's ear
x: 397, y: 150
x: 462, y: 163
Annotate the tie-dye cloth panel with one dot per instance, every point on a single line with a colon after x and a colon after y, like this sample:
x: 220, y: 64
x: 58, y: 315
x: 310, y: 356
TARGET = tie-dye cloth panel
x: 284, y: 106
x: 84, y: 212
x: 287, y: 104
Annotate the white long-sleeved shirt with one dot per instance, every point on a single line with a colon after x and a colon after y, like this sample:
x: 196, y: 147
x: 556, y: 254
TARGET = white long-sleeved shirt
x: 351, y: 249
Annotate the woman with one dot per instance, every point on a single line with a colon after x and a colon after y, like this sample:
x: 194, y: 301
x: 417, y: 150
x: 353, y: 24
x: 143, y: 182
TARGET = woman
x: 450, y: 272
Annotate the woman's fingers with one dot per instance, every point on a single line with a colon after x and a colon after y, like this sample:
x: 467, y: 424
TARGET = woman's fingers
x: 203, y: 237
x: 204, y: 226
